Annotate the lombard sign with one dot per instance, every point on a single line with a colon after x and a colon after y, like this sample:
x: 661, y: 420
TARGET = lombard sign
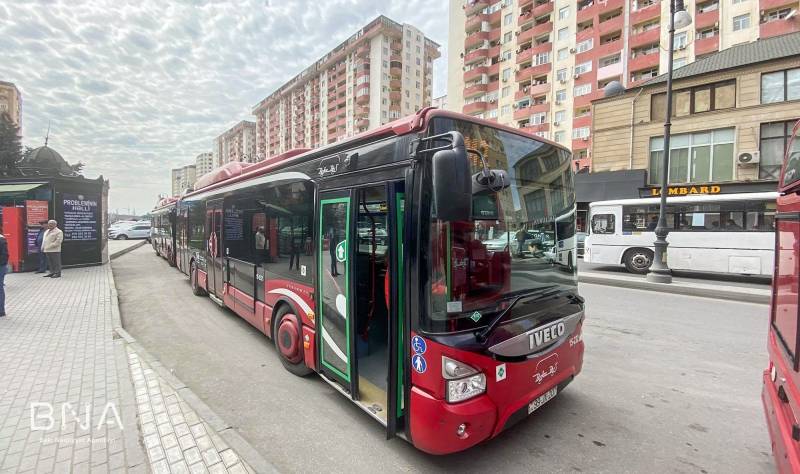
x: 682, y: 190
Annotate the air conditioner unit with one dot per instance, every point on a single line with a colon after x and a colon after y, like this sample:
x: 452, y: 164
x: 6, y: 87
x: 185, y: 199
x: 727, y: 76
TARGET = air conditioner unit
x: 748, y: 158
x: 492, y: 101
x: 681, y: 47
x: 586, y: 139
x: 514, y: 106
x: 572, y: 50
x: 576, y: 76
x: 556, y: 123
x: 505, y: 79
x: 563, y: 81
x: 558, y: 102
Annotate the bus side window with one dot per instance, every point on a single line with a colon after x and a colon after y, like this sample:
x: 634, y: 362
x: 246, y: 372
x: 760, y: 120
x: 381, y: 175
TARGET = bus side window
x: 603, y: 224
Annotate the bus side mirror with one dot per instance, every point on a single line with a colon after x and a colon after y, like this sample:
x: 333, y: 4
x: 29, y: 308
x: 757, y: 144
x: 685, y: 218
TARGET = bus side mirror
x: 452, y: 184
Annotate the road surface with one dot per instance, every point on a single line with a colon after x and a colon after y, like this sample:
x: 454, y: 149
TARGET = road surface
x: 670, y: 383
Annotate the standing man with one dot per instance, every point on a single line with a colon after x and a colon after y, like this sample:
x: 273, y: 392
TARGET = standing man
x: 51, y: 246
x: 3, y: 268
x: 261, y: 246
x: 39, y: 239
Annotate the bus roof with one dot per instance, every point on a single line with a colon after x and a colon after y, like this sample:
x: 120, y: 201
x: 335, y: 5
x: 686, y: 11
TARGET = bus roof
x: 412, y: 123
x: 767, y: 196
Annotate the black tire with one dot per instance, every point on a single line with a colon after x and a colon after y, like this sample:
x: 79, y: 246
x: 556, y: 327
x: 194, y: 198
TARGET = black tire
x: 570, y: 265
x: 122, y: 237
x: 196, y: 290
x: 296, y: 365
x: 638, y: 260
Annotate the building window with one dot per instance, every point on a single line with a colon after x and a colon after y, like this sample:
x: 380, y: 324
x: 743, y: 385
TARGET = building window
x: 505, y: 110
x: 419, y: 62
x: 694, y: 157
x: 561, y: 74
x: 560, y: 116
x: 561, y: 96
x: 584, y: 45
x: 741, y: 22
x: 563, y: 13
x: 506, y: 91
x: 580, y: 132
x: 539, y: 118
x: 707, y: 33
x: 558, y: 136
x: 506, y: 74
x: 780, y: 86
x: 736, y: 2
x: 542, y: 58
x: 609, y: 60
x: 563, y: 54
x: 508, y: 19
x: 563, y: 33
x: 583, y: 67
x: 582, y: 89
x: 505, y: 55
x: 492, y: 113
x: 774, y: 140
x: 718, y: 96
x: 775, y: 15
x: 678, y: 62
x: 680, y: 40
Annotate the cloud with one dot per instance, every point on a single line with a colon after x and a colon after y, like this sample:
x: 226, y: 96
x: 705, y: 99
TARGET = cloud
x: 134, y: 89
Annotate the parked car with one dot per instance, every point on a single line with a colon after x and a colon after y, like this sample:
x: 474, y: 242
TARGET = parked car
x: 133, y: 231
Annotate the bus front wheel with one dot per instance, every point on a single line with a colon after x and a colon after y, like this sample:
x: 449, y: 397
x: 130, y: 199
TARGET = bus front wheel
x: 638, y: 261
x: 288, y: 338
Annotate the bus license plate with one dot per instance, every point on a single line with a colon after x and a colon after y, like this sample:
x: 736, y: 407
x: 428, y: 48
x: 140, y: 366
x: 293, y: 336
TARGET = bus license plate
x: 546, y: 397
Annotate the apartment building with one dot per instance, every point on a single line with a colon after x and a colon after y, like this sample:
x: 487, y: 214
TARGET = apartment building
x: 11, y: 102
x: 381, y: 73
x: 538, y: 64
x: 183, y: 178
x: 236, y: 144
x: 440, y: 102
x: 204, y: 163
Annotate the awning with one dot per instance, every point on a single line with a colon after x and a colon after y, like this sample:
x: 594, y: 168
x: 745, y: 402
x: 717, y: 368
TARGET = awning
x: 608, y: 185
x: 18, y: 188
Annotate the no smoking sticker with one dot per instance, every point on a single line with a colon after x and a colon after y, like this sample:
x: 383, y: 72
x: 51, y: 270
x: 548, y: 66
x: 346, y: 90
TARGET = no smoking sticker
x: 500, y: 372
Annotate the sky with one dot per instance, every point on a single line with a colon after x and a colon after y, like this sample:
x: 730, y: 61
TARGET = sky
x: 133, y: 89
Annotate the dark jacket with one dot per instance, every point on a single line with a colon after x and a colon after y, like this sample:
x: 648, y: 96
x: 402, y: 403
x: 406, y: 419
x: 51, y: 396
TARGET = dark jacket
x: 3, y: 250
x: 39, y: 239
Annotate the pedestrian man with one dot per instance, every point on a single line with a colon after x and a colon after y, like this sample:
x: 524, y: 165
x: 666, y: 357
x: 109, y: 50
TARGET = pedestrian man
x: 42, y: 267
x: 3, y: 268
x: 261, y: 246
x: 51, y: 246
x: 521, y: 236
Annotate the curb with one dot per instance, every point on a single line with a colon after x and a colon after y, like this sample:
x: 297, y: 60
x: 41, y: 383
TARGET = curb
x: 243, y: 448
x: 122, y: 252
x: 724, y: 292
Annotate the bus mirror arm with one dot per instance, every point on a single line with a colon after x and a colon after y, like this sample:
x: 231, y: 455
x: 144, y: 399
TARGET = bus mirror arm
x: 451, y: 175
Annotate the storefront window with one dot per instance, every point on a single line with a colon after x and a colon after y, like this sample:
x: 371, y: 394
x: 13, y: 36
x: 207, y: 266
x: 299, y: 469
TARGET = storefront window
x: 695, y: 157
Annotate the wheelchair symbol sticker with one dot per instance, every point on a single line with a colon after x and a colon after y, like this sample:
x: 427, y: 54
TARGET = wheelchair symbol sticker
x: 418, y: 344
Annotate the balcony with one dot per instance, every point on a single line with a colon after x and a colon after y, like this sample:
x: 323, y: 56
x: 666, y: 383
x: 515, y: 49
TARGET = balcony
x: 537, y: 30
x: 493, y: 86
x: 474, y: 22
x: 475, y: 73
x: 582, y: 121
x: 362, y: 123
x: 526, y: 18
x: 395, y: 84
x: 521, y: 94
x: 524, y: 3
x: 396, y: 71
x: 494, y: 69
x: 581, y: 144
x: 614, y: 24
x: 643, y: 61
x: 362, y: 99
x: 703, y: 20
x: 773, y: 4
x: 584, y: 35
x: 494, y: 18
x: 706, y: 45
x: 476, y: 39
x: 779, y: 27
x: 646, y: 13
x: 647, y: 37
x: 533, y: 71
x: 474, y: 90
x: 395, y: 96
x: 543, y: 9
x: 538, y: 89
x: 536, y: 128
x: 494, y: 52
x: 604, y: 50
x: 363, y: 51
x: 587, y: 99
x: 475, y: 107
x: 476, y: 55
x: 475, y: 7
x: 611, y: 70
x: 587, y: 13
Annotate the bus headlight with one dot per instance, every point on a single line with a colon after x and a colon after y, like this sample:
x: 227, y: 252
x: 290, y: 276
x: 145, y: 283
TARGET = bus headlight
x: 463, y: 381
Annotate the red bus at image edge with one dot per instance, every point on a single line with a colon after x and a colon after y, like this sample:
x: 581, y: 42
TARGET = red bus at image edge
x: 781, y: 379
x: 384, y: 263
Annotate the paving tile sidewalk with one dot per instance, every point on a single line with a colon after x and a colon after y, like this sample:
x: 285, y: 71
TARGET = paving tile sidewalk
x: 74, y: 397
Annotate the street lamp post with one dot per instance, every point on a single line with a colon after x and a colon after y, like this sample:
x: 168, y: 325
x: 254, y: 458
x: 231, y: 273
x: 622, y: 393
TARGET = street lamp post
x: 659, y: 269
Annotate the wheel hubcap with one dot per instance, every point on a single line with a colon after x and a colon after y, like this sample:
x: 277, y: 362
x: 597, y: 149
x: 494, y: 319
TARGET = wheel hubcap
x: 289, y: 339
x: 641, y: 260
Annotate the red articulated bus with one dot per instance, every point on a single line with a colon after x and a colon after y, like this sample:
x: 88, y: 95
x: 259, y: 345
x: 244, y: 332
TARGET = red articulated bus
x: 781, y: 392
x: 403, y: 266
x: 162, y: 229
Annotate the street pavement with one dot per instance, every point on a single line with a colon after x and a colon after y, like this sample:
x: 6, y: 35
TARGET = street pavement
x: 743, y: 281
x: 670, y: 383
x: 116, y: 246
x: 75, y: 397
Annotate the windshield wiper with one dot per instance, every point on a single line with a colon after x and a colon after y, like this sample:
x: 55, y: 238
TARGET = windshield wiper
x: 538, y: 292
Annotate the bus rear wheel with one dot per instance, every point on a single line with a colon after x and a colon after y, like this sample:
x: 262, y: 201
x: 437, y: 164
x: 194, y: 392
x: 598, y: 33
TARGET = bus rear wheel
x: 288, y: 339
x: 638, y: 260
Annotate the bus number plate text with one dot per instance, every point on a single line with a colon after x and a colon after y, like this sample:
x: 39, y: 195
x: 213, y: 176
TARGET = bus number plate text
x: 542, y: 399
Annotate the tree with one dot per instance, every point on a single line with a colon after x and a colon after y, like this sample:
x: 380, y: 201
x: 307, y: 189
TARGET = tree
x: 10, y: 145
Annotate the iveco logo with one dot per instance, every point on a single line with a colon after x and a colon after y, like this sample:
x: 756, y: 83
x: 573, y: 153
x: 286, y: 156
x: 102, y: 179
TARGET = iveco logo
x: 546, y: 335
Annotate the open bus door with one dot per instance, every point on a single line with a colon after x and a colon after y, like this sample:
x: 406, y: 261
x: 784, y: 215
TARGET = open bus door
x: 215, y: 267
x: 781, y: 395
x: 360, y: 312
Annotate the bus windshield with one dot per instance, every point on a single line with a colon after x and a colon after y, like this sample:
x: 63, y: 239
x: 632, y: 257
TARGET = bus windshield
x: 519, y: 239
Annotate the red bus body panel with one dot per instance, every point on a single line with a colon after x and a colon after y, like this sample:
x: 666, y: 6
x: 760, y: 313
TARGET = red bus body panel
x: 781, y: 380
x: 434, y: 420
